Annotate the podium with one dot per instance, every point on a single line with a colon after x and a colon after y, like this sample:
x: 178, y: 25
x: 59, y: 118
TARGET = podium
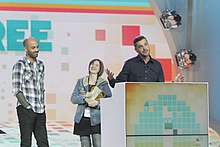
x: 156, y: 115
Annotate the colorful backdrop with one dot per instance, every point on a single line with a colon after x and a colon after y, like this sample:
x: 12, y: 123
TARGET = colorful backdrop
x: 70, y: 34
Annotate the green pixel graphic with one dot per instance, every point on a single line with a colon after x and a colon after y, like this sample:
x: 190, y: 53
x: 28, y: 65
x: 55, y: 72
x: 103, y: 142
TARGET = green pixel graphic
x: 167, y: 117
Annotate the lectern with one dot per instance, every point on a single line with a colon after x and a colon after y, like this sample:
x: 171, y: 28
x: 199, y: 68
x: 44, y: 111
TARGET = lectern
x: 156, y: 115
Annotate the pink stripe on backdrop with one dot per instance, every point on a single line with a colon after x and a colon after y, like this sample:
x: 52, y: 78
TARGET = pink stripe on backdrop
x: 141, y: 12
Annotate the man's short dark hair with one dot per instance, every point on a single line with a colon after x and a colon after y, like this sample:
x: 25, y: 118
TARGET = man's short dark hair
x: 138, y: 38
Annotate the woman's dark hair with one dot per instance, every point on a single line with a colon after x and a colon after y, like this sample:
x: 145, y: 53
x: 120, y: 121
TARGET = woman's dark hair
x: 101, y: 69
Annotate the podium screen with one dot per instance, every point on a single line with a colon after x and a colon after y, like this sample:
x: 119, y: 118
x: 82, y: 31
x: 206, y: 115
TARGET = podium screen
x: 166, y: 115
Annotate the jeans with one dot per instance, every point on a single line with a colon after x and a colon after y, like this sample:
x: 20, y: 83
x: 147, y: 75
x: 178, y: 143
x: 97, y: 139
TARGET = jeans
x: 86, y: 140
x: 31, y: 122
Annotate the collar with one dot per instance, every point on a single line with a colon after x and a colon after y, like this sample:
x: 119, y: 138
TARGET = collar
x: 86, y: 81
x: 25, y: 58
x: 140, y: 59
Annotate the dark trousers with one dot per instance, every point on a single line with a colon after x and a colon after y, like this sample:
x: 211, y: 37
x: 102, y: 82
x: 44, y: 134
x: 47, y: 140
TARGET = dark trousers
x: 31, y: 122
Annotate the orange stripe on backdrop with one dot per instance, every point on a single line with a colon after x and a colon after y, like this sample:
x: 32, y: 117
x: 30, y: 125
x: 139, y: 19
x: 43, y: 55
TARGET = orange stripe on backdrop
x: 152, y: 50
x: 173, y: 71
x: 72, y: 8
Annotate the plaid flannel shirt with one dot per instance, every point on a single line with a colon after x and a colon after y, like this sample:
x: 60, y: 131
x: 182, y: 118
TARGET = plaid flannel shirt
x: 29, y: 80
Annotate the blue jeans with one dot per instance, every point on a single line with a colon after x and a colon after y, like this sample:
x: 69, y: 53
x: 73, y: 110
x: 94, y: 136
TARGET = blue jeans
x: 30, y: 122
x: 86, y: 140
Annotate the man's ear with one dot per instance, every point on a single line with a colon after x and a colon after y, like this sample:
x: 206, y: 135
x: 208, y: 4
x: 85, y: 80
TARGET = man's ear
x: 25, y: 49
x: 135, y: 49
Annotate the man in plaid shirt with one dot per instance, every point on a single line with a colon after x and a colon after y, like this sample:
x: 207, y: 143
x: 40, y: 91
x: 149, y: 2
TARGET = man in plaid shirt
x: 28, y: 87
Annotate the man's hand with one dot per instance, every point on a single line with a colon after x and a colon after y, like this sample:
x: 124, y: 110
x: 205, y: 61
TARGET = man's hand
x: 109, y: 74
x: 22, y: 100
x: 180, y: 78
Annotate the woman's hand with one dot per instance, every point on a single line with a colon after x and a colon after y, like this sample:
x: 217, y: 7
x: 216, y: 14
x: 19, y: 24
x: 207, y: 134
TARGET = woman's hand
x: 88, y: 95
x: 93, y: 103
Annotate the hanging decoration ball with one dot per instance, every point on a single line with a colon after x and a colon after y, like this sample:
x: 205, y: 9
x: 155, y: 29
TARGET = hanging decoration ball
x: 170, y: 19
x: 185, y: 58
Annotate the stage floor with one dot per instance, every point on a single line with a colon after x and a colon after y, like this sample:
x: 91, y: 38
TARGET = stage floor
x: 60, y: 135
